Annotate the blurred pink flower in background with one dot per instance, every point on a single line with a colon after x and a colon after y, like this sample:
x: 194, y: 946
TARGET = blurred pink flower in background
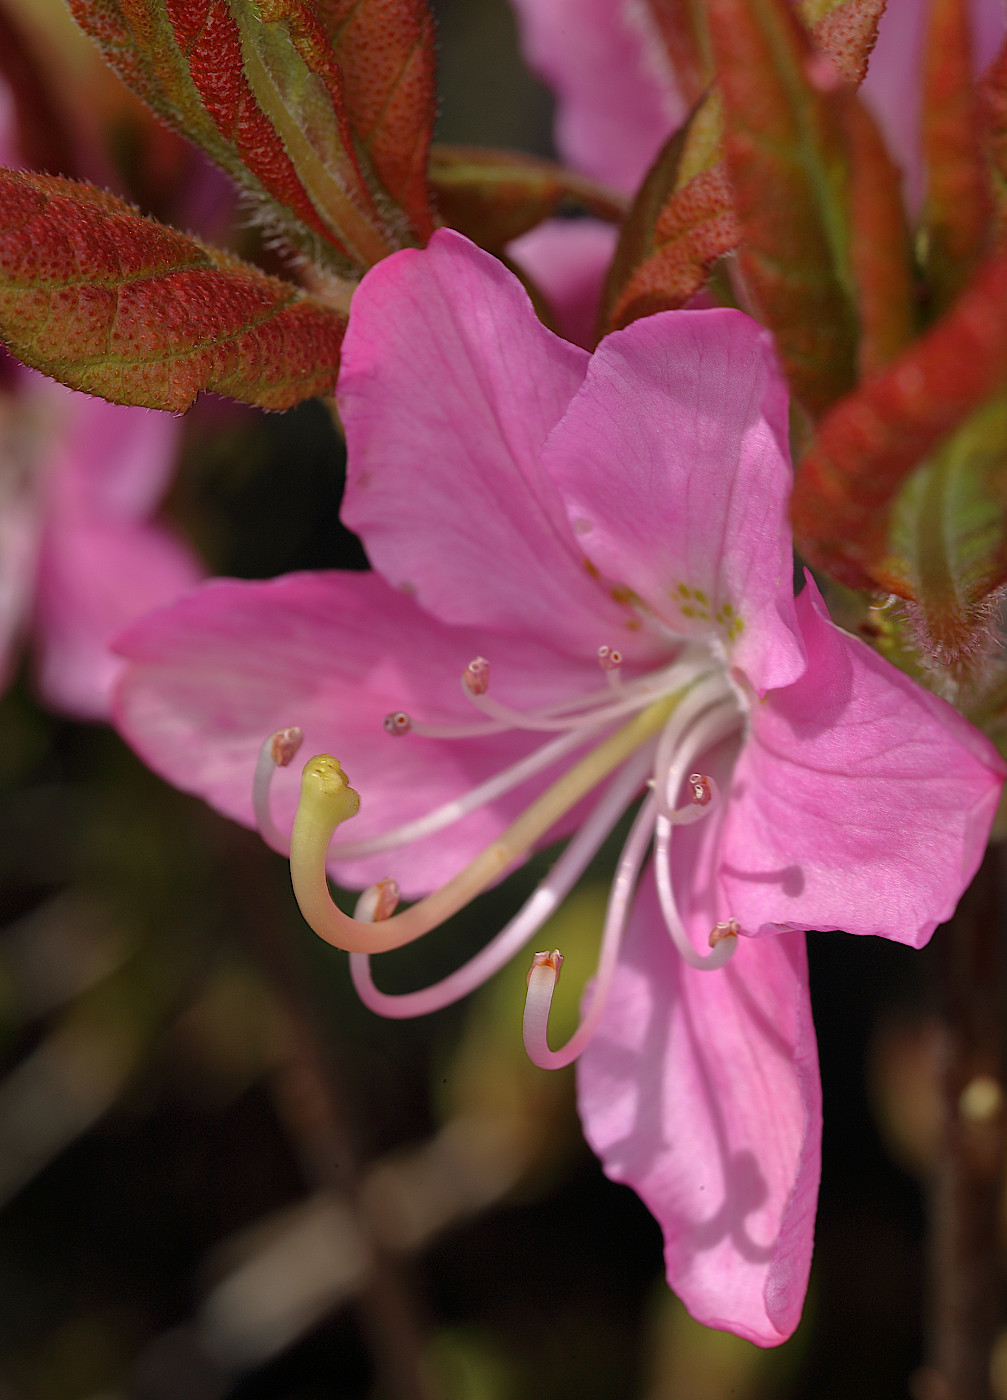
x: 618, y: 102
x: 80, y: 480
x: 611, y: 532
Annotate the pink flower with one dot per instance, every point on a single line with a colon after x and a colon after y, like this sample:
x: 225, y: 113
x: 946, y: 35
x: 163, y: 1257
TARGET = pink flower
x: 597, y: 547
x: 79, y: 556
x: 618, y: 102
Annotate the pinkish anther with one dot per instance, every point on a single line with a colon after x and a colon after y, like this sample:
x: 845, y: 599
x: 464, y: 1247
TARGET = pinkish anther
x: 728, y: 929
x: 702, y: 789
x: 284, y: 745
x: 476, y: 676
x: 398, y: 722
x: 378, y: 902
x: 553, y: 961
x: 609, y: 658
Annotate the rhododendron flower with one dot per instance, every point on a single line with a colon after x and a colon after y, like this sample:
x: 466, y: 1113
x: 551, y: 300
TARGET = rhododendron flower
x: 618, y: 101
x: 582, y: 593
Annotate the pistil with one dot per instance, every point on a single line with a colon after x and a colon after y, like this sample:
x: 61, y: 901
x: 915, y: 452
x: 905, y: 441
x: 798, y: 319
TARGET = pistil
x: 327, y: 800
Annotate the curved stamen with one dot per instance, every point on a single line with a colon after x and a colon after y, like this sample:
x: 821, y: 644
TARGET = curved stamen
x: 711, y: 693
x: 545, y: 969
x: 624, y: 703
x: 709, y: 729
x: 327, y: 800
x: 580, y: 708
x: 542, y: 904
x: 277, y: 751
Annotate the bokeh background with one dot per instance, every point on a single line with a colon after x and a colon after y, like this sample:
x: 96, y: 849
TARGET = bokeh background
x: 221, y: 1177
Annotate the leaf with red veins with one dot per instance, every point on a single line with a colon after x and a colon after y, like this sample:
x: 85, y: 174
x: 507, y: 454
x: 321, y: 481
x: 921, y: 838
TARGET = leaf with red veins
x: 495, y: 196
x: 958, y: 207
x: 259, y: 88
x: 105, y: 300
x: 872, y: 441
x: 385, y: 50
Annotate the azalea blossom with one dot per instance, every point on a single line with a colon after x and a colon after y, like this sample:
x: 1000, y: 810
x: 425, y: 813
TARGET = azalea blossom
x: 582, y: 596
x: 618, y: 100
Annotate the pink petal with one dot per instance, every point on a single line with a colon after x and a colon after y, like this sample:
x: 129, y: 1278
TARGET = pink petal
x: 861, y: 801
x: 893, y: 86
x: 568, y: 259
x: 211, y: 677
x: 449, y: 386
x: 93, y: 579
x: 701, y: 1091
x: 617, y: 102
x: 672, y: 460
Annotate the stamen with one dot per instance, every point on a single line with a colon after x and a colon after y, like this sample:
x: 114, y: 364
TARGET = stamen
x: 609, y: 658
x: 326, y: 800
x: 542, y: 980
x: 476, y: 676
x: 471, y: 801
x: 543, y: 903
x: 398, y: 722
x: 710, y: 694
x: 276, y: 752
x: 710, y: 729
x: 378, y: 902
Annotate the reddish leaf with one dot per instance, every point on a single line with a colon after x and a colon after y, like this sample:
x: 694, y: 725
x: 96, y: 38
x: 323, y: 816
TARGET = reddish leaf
x: 258, y: 86
x: 684, y: 218
x: 493, y: 196
x: 871, y: 442
x: 881, y: 260
x: 785, y: 155
x: 658, y: 266
x: 105, y: 300
x: 957, y: 212
x: 846, y: 31
x: 992, y: 96
x: 385, y: 49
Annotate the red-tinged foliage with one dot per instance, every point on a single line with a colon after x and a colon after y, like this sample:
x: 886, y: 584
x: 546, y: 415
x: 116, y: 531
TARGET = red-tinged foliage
x: 881, y: 260
x: 385, y: 49
x: 958, y: 206
x: 785, y: 155
x: 493, y: 196
x: 992, y: 96
x: 322, y: 110
x: 870, y: 443
x: 105, y: 300
x: 847, y: 33
x: 694, y: 228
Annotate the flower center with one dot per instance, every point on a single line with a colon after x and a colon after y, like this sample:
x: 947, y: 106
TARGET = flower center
x: 649, y: 732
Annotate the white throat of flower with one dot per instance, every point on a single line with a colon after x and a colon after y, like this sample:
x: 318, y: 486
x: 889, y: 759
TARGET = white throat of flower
x: 648, y: 733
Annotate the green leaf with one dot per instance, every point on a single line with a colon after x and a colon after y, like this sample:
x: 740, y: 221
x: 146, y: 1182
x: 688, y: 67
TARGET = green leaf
x: 948, y: 545
x: 105, y: 300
